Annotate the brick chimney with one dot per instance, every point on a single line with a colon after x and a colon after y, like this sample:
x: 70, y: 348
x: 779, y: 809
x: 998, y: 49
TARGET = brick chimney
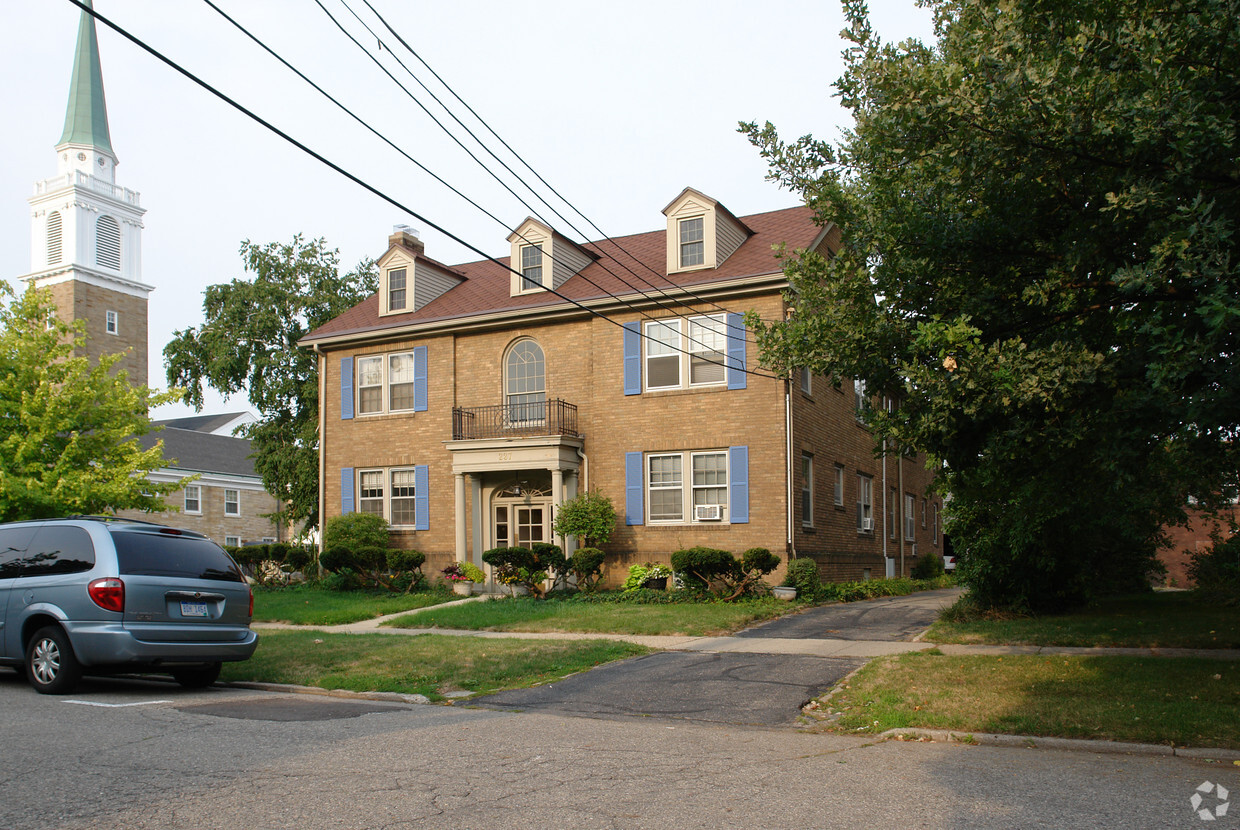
x: 407, y: 238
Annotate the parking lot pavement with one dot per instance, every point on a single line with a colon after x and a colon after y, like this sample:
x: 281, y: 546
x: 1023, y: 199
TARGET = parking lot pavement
x: 732, y: 688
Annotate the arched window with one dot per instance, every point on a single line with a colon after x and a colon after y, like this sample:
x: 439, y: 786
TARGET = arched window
x: 108, y: 243
x: 53, y: 237
x: 525, y: 382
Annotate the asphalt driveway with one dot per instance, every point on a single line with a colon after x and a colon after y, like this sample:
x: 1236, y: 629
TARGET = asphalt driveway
x: 884, y: 620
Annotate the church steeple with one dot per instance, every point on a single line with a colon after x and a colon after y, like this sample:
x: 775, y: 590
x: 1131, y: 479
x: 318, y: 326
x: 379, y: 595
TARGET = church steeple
x: 86, y: 230
x: 86, y: 119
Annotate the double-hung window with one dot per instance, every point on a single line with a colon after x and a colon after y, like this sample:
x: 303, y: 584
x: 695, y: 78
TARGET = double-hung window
x: 232, y: 502
x: 839, y: 485
x: 531, y: 267
x: 910, y: 525
x: 370, y: 492
x: 369, y: 385
x: 807, y: 490
x: 692, y: 242
x: 707, y: 499
x: 682, y: 353
x: 397, y: 279
x: 403, y: 501
x: 400, y: 381
x: 111, y: 323
x: 865, y: 503
x: 193, y: 498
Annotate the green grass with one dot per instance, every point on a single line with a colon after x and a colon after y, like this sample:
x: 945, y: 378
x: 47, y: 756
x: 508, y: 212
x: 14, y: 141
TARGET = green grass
x: 1175, y: 619
x: 1179, y: 701
x: 690, y: 619
x: 429, y: 664
x: 310, y: 605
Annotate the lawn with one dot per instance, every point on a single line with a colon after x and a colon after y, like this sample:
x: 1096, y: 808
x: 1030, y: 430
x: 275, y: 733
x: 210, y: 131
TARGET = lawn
x: 429, y: 664
x: 310, y: 605
x: 1179, y: 701
x: 690, y: 619
x: 1173, y: 619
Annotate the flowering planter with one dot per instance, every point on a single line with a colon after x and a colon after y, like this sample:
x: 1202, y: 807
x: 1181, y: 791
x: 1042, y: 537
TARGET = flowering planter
x: 658, y: 583
x: 784, y: 593
x: 463, y: 588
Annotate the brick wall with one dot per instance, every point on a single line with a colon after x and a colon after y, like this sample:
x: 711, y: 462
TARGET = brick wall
x: 250, y: 526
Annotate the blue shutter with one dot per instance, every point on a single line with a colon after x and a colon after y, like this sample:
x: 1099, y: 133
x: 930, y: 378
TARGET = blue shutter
x: 346, y: 388
x: 633, y: 359
x: 633, y: 476
x: 419, y: 381
x: 738, y: 485
x: 736, y: 351
x: 346, y: 489
x: 421, y: 497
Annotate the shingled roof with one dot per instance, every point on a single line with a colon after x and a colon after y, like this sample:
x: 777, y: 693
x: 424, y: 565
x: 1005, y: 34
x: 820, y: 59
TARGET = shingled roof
x: 487, y: 288
x: 192, y: 451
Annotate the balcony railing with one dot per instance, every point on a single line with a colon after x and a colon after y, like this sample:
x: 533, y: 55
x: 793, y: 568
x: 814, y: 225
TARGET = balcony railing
x: 77, y: 177
x: 517, y: 420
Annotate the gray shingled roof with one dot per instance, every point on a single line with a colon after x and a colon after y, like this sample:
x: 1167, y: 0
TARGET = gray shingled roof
x: 202, y: 452
x: 201, y: 423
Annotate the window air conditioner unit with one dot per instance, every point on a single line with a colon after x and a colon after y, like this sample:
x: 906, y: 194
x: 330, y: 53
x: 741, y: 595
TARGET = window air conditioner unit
x: 867, y: 524
x: 707, y: 512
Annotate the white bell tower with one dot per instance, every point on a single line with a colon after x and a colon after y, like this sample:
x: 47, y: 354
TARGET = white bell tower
x: 86, y: 231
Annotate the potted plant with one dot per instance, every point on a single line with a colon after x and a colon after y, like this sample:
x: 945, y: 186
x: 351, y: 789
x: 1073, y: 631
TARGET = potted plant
x: 649, y: 575
x: 474, y: 574
x: 460, y: 581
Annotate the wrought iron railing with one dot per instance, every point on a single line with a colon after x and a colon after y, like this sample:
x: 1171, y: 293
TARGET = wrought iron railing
x: 555, y: 417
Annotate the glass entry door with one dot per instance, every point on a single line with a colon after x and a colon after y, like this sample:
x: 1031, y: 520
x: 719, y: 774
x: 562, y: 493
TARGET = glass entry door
x: 521, y: 524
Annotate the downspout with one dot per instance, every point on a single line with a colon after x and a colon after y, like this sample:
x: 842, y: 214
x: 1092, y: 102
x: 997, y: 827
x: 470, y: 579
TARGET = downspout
x: 900, y: 506
x: 322, y: 362
x: 585, y: 471
x: 886, y: 515
x: 790, y: 550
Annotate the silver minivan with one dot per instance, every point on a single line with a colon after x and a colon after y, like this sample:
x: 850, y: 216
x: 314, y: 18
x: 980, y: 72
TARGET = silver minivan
x: 99, y: 595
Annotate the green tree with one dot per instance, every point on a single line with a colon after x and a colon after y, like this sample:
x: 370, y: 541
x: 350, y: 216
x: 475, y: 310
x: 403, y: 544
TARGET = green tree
x: 68, y: 429
x: 249, y: 343
x: 1038, y: 260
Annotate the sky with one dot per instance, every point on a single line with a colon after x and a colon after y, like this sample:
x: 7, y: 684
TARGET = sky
x: 618, y: 106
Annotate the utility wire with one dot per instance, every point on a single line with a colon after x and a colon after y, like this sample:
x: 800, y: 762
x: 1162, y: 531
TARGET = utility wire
x: 351, y: 177
x: 483, y: 164
x: 518, y: 156
x: 423, y: 167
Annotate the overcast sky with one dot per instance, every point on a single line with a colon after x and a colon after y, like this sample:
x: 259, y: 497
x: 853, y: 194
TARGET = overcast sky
x: 619, y: 106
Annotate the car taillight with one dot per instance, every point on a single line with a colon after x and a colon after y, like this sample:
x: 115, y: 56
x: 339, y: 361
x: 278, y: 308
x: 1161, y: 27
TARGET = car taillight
x: 108, y: 594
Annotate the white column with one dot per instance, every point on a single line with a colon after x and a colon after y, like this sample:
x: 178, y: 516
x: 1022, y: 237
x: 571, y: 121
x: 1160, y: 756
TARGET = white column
x: 478, y: 510
x: 459, y: 487
x: 557, y: 494
x: 572, y: 484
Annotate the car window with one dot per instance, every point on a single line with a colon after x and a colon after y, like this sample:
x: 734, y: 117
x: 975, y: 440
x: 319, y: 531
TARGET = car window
x: 13, y: 540
x: 165, y: 554
x: 57, y: 549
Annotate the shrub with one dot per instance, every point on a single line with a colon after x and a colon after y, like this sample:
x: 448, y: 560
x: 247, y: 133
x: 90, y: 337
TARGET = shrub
x: 342, y: 580
x: 928, y: 566
x: 517, y: 566
x: 586, y: 565
x: 550, y: 558
x: 298, y: 558
x: 639, y: 574
x: 335, y: 559
x: 700, y: 566
x: 589, y: 516
x: 356, y: 530
x: 1216, y: 570
x: 803, y: 575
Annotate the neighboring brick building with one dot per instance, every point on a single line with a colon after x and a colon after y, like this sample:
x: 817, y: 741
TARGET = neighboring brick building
x: 465, y: 403
x: 1198, y: 535
x: 227, y: 502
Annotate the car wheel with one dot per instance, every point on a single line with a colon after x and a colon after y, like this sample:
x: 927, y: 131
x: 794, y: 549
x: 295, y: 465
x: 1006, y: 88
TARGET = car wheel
x: 199, y: 677
x: 51, y: 666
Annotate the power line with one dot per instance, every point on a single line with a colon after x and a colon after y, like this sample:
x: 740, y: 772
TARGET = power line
x: 351, y: 177
x: 606, y: 237
x: 491, y: 172
x: 421, y: 166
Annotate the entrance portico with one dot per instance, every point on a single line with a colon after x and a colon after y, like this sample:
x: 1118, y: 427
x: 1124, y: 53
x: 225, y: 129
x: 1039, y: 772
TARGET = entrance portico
x: 515, y: 489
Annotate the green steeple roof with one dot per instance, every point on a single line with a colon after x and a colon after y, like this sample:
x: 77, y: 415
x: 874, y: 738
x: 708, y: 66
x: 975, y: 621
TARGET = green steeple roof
x: 86, y: 119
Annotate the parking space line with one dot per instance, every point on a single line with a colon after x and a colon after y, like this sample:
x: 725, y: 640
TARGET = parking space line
x: 115, y: 705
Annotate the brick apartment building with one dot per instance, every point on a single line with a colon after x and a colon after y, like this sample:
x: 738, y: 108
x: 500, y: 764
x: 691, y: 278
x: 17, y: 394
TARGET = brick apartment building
x: 465, y: 403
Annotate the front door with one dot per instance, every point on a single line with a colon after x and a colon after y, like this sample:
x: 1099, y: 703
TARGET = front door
x: 522, y: 524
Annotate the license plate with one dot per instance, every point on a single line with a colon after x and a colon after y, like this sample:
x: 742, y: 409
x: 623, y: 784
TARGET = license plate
x: 193, y: 609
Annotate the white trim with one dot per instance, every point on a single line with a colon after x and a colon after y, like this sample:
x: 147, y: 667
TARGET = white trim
x: 170, y: 475
x: 68, y: 272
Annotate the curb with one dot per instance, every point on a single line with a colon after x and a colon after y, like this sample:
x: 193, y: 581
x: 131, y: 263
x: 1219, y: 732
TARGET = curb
x: 389, y: 697
x: 1065, y: 744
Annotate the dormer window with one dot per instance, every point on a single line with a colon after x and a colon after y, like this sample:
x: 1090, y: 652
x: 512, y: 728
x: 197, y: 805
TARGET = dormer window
x: 532, y: 266
x: 692, y: 242
x: 701, y: 233
x: 396, y: 289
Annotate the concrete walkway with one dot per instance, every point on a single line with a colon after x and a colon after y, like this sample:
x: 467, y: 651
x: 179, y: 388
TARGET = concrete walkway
x: 756, y: 641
